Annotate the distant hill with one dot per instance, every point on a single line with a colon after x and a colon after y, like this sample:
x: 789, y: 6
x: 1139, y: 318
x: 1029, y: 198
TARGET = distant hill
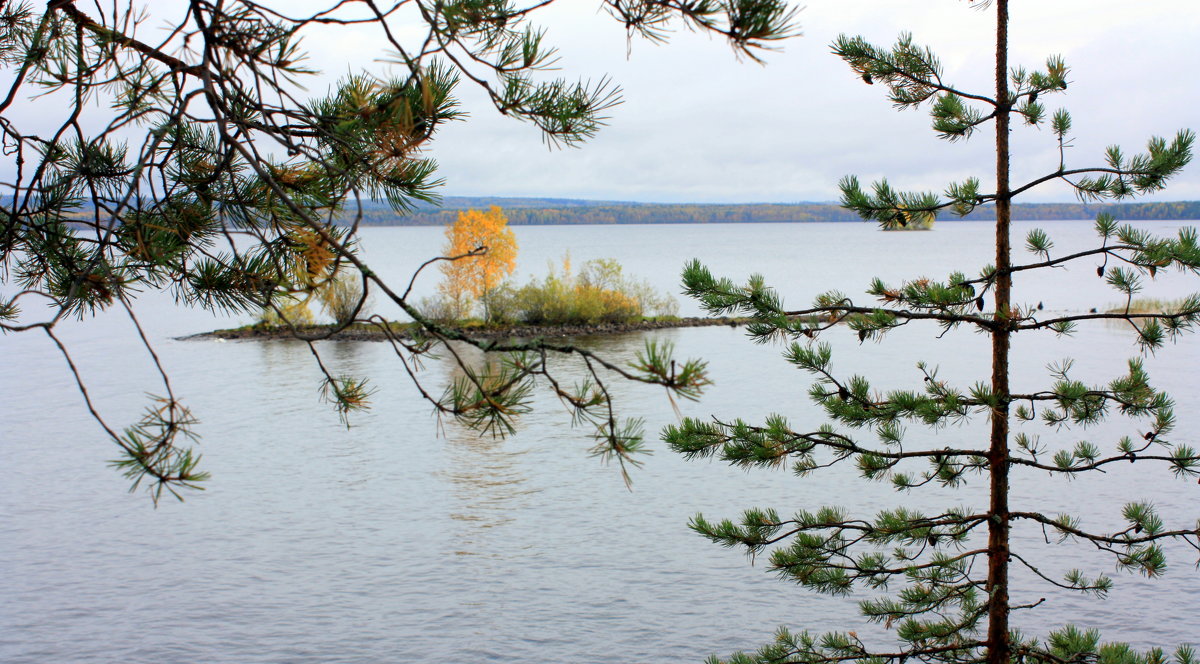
x: 559, y: 211
x: 467, y: 202
x: 566, y: 211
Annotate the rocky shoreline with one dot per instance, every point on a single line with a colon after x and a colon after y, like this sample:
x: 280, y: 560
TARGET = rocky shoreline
x: 366, y: 333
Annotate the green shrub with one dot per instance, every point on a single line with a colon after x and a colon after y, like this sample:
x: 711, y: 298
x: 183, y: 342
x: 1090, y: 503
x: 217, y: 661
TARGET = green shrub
x: 443, y: 309
x: 287, y: 310
x: 503, y: 306
x: 341, y: 295
x: 1152, y: 305
x: 598, y: 293
x: 607, y: 275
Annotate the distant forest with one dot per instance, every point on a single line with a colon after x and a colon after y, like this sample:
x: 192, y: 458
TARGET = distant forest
x: 555, y: 211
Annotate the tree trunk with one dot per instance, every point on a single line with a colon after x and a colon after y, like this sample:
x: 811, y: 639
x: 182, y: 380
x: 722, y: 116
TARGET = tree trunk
x: 999, y: 648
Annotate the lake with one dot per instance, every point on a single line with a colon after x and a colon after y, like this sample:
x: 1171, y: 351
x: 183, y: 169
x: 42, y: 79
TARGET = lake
x: 405, y: 539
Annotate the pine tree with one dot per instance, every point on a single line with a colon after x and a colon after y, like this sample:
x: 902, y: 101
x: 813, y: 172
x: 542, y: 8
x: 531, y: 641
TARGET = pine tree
x: 954, y: 567
x: 199, y: 165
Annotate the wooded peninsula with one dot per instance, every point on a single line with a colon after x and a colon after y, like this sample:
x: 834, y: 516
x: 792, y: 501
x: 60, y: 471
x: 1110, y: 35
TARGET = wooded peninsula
x: 559, y: 211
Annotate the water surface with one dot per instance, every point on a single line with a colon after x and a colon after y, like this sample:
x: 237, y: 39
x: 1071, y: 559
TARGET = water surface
x: 407, y: 539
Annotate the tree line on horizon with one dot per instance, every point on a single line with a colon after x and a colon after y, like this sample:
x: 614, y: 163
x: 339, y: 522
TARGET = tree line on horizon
x: 555, y: 212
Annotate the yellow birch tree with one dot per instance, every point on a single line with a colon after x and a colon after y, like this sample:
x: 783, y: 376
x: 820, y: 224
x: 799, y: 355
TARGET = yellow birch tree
x: 487, y: 235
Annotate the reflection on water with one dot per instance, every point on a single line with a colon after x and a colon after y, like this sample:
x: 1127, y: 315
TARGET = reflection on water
x: 484, y: 471
x: 487, y: 473
x: 487, y: 485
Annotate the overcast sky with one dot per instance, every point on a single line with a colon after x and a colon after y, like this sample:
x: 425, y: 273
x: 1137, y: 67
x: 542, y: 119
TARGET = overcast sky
x: 697, y: 125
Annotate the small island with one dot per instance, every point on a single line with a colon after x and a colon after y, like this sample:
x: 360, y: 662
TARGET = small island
x: 475, y: 298
x: 474, y: 329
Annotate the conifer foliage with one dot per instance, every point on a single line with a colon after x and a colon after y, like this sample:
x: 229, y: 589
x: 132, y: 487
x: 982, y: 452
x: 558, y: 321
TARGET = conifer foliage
x: 949, y: 571
x: 174, y: 146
